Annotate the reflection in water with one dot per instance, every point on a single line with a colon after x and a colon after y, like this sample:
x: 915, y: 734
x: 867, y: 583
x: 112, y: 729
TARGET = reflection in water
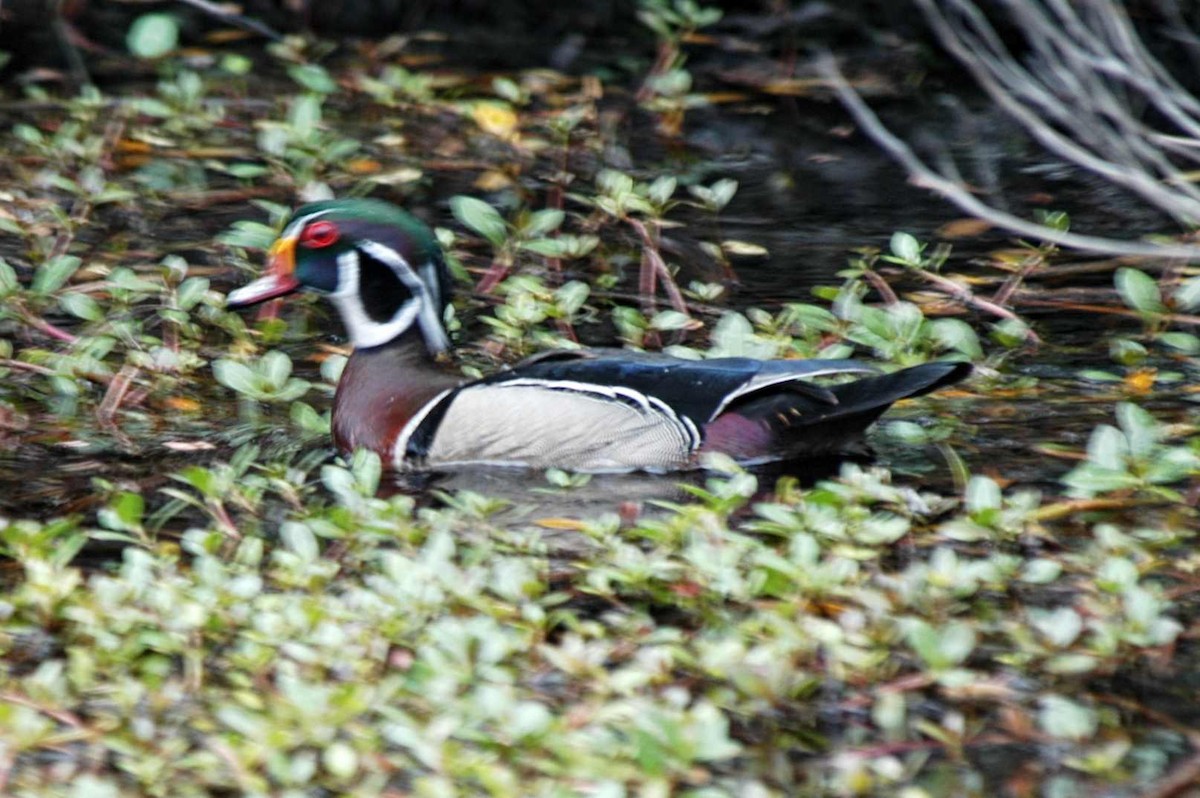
x: 630, y: 495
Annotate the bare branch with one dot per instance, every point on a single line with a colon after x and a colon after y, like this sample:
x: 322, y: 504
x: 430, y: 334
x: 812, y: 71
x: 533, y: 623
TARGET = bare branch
x: 957, y: 193
x: 1076, y: 91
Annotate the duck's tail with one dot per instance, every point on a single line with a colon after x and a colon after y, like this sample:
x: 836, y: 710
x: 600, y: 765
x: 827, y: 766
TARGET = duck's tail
x: 785, y: 424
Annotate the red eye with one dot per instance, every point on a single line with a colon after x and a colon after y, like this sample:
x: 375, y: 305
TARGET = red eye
x: 319, y: 234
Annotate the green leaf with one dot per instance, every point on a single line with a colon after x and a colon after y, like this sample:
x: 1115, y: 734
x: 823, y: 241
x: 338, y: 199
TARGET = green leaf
x: 1089, y: 479
x: 1184, y: 342
x: 275, y: 367
x: 313, y: 77
x: 248, y: 234
x: 1141, y: 430
x: 571, y: 296
x: 1010, y: 332
x: 153, y: 35
x: 906, y: 248
x: 1061, y: 626
x: 1108, y: 448
x: 340, y: 760
x: 1117, y: 575
x: 1041, y: 571
x: 8, y: 279
x: 507, y: 89
x: 200, y: 478
x: 542, y: 222
x: 291, y: 390
x: 661, y: 190
x: 191, y: 291
x: 722, y: 192
x: 546, y: 247
x: 306, y: 418
x: 671, y: 320
x: 1139, y: 291
x: 942, y: 647
x: 1071, y: 664
x: 81, y: 306
x: 956, y: 641
x: 304, y: 116
x: 1127, y: 352
x: 1062, y: 717
x: 238, y: 377
x: 564, y: 246
x: 480, y: 217
x: 124, y: 513
x: 908, y: 432
x: 247, y: 171
x: 54, y: 273
x: 1186, y: 295
x: 367, y: 468
x: 300, y: 540
x: 332, y: 368
x: 982, y: 494
x: 956, y: 334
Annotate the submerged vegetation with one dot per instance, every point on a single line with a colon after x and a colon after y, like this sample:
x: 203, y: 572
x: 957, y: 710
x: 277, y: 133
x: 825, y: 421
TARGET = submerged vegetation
x: 198, y: 598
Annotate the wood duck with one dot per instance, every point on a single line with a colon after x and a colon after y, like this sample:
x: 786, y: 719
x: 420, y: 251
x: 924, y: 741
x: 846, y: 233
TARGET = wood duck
x: 583, y: 410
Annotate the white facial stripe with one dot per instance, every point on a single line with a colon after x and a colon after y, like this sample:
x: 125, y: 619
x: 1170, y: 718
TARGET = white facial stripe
x: 425, y: 293
x: 293, y: 229
x: 365, y: 332
x: 429, y: 278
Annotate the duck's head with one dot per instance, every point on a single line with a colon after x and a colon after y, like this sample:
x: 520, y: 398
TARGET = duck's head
x: 381, y: 267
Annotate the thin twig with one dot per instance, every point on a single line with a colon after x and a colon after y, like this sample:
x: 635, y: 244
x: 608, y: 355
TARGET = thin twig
x: 222, y: 12
x: 61, y: 715
x: 114, y: 397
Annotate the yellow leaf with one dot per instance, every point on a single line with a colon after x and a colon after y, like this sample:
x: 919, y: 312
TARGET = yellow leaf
x: 964, y: 228
x: 363, y: 166
x: 183, y: 404
x: 492, y: 180
x: 1141, y: 380
x: 396, y: 177
x: 495, y: 118
x: 572, y: 524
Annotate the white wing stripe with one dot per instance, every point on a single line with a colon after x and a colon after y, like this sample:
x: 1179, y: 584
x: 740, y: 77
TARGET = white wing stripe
x: 400, y: 447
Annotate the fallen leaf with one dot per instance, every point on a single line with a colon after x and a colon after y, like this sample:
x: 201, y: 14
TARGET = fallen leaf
x: 744, y: 249
x: 398, y: 177
x: 963, y: 228
x: 363, y: 166
x: 189, y: 446
x: 1141, y: 381
x: 495, y: 118
x: 183, y: 404
x: 572, y: 524
x: 492, y: 180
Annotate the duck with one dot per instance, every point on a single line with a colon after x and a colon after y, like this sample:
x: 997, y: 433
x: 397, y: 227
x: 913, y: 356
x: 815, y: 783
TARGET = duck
x: 584, y: 410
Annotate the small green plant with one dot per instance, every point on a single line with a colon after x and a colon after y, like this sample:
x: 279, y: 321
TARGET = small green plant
x: 532, y: 231
x: 268, y: 380
x: 1133, y: 457
x: 1156, y: 304
x: 667, y: 88
x: 528, y: 302
x: 302, y: 147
